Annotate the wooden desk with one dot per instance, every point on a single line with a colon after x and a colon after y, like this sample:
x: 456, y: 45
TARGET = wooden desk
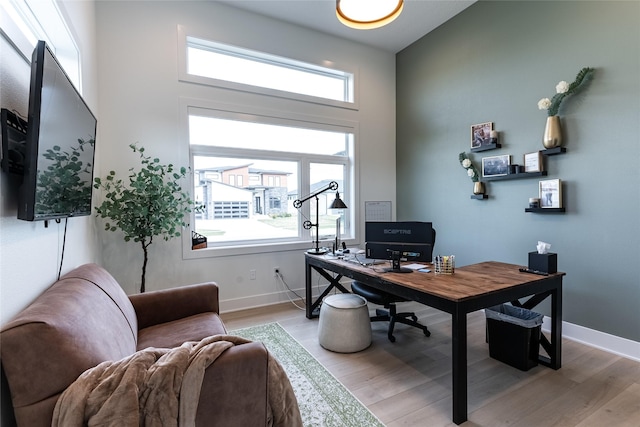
x: 471, y: 288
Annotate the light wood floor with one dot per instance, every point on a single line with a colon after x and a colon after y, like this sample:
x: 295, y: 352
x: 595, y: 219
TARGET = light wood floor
x: 408, y: 383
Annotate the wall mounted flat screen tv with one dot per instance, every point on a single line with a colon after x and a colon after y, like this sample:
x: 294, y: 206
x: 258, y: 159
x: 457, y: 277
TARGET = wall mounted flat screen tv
x: 60, y: 145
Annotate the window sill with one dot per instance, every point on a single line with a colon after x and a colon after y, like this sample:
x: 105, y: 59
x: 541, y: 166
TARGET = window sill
x: 223, y: 251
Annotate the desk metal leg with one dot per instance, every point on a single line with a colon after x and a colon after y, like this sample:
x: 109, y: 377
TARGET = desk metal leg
x: 308, y: 290
x: 553, y: 347
x: 334, y: 282
x: 556, y: 329
x: 459, y: 368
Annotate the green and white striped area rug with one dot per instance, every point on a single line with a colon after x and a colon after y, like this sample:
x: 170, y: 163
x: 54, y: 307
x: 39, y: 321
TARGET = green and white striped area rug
x: 323, y: 400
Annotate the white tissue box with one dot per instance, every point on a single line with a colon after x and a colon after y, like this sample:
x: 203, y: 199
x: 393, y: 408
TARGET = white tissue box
x: 547, y: 263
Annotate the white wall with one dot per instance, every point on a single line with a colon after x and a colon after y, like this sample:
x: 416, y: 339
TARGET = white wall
x: 29, y: 253
x: 139, y: 93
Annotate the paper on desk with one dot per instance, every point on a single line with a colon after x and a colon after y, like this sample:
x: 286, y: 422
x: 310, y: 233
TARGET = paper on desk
x: 414, y: 266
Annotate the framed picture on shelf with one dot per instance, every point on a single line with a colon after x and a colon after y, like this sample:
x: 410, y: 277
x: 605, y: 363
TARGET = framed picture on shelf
x: 551, y: 193
x: 481, y: 134
x: 533, y: 162
x: 496, y: 165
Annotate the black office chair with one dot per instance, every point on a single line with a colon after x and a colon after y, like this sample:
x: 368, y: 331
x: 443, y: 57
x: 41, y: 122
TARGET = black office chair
x: 389, y: 301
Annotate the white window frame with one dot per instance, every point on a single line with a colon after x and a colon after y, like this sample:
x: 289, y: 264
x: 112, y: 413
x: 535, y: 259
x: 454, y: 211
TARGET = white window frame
x: 184, y: 35
x: 24, y: 22
x: 274, y: 116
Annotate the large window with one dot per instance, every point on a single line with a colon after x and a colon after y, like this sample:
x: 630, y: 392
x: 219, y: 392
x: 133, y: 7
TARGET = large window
x: 251, y: 160
x: 250, y: 168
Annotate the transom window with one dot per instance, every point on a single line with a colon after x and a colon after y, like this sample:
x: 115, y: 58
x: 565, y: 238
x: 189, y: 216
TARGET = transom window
x: 216, y: 64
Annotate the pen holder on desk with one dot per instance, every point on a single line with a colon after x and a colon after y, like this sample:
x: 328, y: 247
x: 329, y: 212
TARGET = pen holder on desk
x: 444, y: 264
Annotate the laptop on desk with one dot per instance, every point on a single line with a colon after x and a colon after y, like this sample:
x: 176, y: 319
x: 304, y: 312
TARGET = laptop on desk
x: 362, y: 260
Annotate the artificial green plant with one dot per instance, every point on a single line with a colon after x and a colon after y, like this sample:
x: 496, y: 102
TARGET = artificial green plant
x: 564, y: 89
x: 151, y: 203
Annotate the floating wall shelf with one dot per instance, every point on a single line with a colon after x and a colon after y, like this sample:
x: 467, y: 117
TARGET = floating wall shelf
x: 554, y: 151
x: 524, y: 175
x: 514, y: 176
x: 488, y: 147
x: 545, y: 210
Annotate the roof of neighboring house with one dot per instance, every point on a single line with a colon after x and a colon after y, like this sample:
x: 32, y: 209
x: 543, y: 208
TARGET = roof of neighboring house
x: 268, y: 172
x: 224, y: 168
x: 251, y: 170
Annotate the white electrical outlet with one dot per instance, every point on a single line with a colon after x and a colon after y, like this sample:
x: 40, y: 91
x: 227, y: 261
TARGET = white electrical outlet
x: 252, y: 275
x: 276, y: 271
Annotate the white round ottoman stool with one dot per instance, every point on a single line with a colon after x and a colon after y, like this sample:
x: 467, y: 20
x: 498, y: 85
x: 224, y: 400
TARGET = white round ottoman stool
x: 344, y: 325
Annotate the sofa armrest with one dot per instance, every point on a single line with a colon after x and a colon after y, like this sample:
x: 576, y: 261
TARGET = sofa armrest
x: 153, y: 308
x: 235, y: 388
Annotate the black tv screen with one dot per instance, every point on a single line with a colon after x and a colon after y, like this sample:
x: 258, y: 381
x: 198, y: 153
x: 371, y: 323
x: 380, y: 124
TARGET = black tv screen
x: 60, y: 145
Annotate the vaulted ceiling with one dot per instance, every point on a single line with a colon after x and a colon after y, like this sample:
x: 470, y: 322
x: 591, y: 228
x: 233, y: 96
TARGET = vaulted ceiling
x: 418, y: 18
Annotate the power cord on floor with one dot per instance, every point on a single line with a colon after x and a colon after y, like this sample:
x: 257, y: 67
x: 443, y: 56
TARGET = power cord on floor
x: 280, y: 278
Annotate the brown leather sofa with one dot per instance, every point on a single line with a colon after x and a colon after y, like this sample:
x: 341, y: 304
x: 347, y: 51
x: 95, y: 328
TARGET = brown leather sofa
x: 85, y: 318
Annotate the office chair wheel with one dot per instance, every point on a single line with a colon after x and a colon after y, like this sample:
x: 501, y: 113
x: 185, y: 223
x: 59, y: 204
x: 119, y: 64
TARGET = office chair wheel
x: 427, y: 333
x: 391, y: 338
x: 414, y: 317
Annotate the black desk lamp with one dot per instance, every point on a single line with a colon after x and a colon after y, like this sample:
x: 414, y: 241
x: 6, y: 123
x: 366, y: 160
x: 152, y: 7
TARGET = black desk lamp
x: 336, y: 204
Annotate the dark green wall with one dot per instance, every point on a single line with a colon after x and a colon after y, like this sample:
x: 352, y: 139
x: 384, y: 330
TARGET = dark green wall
x: 493, y: 62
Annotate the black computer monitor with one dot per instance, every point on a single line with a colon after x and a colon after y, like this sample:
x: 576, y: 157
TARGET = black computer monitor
x: 399, y: 241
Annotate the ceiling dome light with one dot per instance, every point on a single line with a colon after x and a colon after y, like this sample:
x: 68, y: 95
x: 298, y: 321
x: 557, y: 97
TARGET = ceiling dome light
x: 368, y: 14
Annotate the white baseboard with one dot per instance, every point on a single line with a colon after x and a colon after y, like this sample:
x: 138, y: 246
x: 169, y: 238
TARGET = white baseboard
x: 256, y: 301
x: 601, y: 340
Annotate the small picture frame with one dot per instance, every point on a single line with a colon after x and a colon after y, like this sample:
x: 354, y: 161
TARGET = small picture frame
x: 533, y: 162
x: 481, y: 134
x: 496, y: 165
x: 551, y: 193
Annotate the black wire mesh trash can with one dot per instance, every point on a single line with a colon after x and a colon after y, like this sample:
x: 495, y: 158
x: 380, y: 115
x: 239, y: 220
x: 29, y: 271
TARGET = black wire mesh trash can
x: 514, y: 335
